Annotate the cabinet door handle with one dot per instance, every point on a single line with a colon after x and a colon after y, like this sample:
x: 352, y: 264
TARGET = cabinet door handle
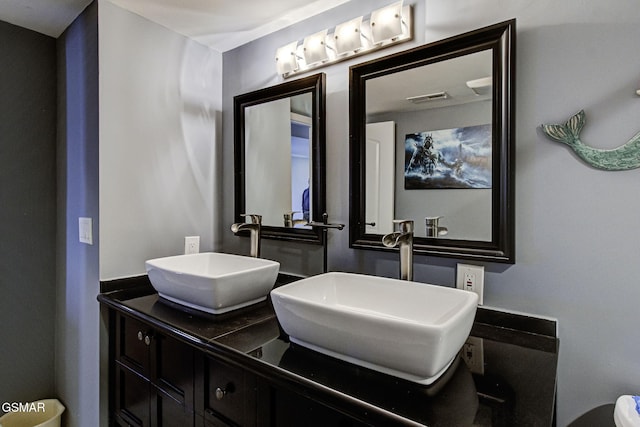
x: 220, y: 393
x: 144, y: 337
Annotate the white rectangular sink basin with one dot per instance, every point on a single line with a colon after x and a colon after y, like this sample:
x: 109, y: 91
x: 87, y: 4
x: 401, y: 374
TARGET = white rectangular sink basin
x: 406, y: 329
x: 213, y: 282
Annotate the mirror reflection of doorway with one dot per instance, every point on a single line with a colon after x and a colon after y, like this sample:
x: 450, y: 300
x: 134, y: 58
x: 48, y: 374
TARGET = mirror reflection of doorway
x: 300, y: 166
x: 380, y: 177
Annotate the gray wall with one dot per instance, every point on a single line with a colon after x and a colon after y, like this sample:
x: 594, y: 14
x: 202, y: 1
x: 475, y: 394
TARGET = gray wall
x: 77, y: 314
x: 159, y: 125
x: 27, y: 213
x: 577, y: 228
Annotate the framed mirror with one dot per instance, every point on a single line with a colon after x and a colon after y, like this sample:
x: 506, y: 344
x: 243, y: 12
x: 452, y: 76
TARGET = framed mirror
x: 279, y: 143
x: 432, y: 140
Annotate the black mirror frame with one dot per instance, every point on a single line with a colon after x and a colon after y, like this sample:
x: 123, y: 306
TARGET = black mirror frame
x: 500, y: 38
x: 315, y: 85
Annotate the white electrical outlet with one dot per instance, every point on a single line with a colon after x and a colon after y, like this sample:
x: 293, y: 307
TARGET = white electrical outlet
x: 85, y: 230
x: 472, y: 353
x: 471, y: 278
x: 191, y: 244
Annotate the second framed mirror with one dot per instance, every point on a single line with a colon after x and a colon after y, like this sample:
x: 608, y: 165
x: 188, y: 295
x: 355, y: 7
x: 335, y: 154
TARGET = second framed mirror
x: 432, y: 140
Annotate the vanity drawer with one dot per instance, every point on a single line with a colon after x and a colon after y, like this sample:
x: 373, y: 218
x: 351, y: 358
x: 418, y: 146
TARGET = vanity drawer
x: 230, y: 394
x: 133, y: 343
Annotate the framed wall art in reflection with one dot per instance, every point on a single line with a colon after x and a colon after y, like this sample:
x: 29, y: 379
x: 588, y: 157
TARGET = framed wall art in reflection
x: 448, y: 158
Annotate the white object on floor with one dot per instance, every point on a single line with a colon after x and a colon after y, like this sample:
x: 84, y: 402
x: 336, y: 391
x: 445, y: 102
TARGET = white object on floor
x: 626, y: 413
x: 42, y: 413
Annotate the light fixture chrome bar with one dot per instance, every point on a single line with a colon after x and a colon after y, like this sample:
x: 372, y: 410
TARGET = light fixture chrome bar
x: 347, y: 40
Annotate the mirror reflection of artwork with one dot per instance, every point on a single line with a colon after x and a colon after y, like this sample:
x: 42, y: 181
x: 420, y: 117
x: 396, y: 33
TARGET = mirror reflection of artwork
x: 448, y: 158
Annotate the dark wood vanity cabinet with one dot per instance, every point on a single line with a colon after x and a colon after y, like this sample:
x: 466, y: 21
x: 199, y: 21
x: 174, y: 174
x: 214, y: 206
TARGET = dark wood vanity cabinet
x: 158, y: 380
x: 169, y: 367
x: 153, y: 377
x: 161, y: 381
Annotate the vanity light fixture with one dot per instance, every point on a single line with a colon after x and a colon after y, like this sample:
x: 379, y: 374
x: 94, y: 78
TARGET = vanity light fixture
x: 287, y: 58
x: 480, y: 86
x: 314, y: 48
x: 384, y: 27
x: 348, y: 36
x: 387, y: 23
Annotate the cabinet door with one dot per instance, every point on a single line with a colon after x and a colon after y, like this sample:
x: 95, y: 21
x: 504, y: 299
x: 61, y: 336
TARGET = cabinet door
x: 154, y: 377
x: 133, y: 343
x: 140, y: 403
x: 230, y: 395
x: 173, y: 369
x: 169, y: 412
x: 131, y: 398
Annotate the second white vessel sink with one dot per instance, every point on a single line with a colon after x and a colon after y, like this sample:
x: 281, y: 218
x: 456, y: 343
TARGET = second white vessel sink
x: 406, y: 329
x: 213, y: 282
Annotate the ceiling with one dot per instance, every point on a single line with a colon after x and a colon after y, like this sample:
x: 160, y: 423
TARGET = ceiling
x: 392, y: 92
x: 220, y: 24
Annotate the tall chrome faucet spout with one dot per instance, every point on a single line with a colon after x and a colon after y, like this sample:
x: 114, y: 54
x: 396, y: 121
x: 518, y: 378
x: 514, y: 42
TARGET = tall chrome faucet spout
x: 254, y: 228
x: 403, y: 239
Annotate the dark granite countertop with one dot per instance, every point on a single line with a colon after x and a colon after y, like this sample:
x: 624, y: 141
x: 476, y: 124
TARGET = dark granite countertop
x: 512, y: 383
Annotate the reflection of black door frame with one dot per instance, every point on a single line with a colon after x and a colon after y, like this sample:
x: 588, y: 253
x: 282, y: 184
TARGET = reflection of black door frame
x: 498, y: 396
x: 304, y: 123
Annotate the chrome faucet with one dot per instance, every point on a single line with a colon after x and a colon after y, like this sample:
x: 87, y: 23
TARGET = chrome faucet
x: 290, y: 222
x: 402, y: 238
x: 254, y: 229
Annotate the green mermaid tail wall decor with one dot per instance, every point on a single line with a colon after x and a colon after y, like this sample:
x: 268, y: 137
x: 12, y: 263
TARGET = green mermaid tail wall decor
x: 625, y: 157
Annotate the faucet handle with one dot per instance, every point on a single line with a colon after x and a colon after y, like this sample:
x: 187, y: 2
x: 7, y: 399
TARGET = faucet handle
x: 404, y: 225
x: 255, y: 218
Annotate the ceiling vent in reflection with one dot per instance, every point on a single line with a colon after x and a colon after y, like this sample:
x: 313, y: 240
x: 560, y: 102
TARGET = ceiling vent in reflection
x: 436, y: 96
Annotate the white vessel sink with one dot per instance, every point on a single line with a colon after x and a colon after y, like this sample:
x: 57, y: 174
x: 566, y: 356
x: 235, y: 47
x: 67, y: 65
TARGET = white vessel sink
x: 406, y: 329
x: 213, y: 282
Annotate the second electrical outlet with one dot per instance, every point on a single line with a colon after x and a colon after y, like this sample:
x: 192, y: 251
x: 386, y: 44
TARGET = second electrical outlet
x: 191, y: 244
x: 471, y: 278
